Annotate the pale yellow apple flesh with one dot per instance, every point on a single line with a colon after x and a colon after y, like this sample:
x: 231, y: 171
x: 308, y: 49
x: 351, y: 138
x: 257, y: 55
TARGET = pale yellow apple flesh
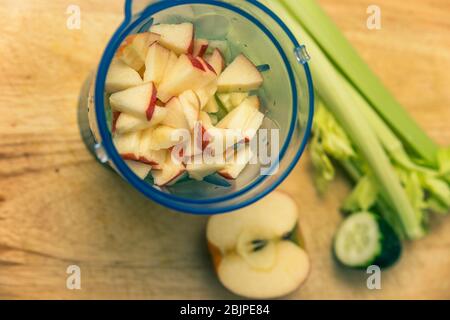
x: 121, y: 76
x: 177, y: 37
x: 240, y: 76
x: 252, y: 250
x: 156, y: 63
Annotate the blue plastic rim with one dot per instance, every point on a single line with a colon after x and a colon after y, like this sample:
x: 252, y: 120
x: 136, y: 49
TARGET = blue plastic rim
x: 172, y: 201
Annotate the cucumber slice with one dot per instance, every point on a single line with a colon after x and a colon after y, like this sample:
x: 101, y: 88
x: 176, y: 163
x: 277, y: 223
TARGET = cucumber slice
x: 365, y: 239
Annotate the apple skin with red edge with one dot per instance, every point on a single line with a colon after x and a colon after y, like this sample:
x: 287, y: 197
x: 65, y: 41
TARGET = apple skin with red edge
x: 217, y: 61
x: 128, y: 145
x: 200, y: 47
x: 169, y: 174
x: 138, y: 101
x: 115, y: 117
x: 152, y: 103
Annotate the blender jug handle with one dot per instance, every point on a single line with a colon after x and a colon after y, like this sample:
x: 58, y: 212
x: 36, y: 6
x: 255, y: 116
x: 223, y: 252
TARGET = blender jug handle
x: 133, y: 7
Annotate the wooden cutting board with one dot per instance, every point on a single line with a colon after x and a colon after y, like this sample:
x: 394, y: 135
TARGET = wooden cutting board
x: 58, y: 207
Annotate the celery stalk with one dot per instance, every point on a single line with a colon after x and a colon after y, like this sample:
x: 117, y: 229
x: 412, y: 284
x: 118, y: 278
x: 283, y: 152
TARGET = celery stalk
x: 337, y: 94
x: 341, y: 53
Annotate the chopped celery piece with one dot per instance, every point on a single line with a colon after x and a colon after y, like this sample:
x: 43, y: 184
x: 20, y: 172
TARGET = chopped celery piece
x: 363, y: 197
x: 340, y: 52
x: 324, y: 170
x: 333, y: 138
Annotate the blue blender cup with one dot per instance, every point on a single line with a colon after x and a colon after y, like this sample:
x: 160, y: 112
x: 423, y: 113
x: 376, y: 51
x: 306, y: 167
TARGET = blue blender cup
x: 287, y: 96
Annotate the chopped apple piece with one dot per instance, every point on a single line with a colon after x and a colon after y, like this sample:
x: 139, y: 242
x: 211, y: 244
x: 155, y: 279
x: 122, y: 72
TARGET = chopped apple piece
x: 197, y: 142
x: 225, y: 99
x: 254, y: 101
x: 125, y: 123
x: 235, y: 166
x: 212, y: 106
x: 232, y: 100
x: 241, y: 75
x: 175, y: 115
x: 187, y: 74
x: 121, y: 76
x: 191, y: 107
x: 128, y: 145
x: 139, y: 101
x: 155, y: 158
x: 135, y: 52
x: 176, y: 37
x: 205, y: 120
x: 140, y: 169
x: 198, y: 171
x: 254, y: 250
x: 156, y: 63
x: 245, y: 118
x: 238, y: 97
x: 208, y: 68
x: 164, y: 137
x: 217, y: 61
x: 170, y: 173
x: 200, y: 47
x: 205, y: 94
x: 173, y: 59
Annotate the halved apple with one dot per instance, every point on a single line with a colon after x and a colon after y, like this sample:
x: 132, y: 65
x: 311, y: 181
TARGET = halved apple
x: 200, y: 47
x: 217, y: 61
x: 128, y: 145
x: 187, y: 74
x: 176, y: 37
x: 135, y: 52
x: 170, y: 173
x: 121, y: 76
x: 240, y: 76
x: 140, y: 169
x: 256, y: 250
x: 156, y: 63
x: 191, y: 107
x: 238, y: 163
x: 155, y: 158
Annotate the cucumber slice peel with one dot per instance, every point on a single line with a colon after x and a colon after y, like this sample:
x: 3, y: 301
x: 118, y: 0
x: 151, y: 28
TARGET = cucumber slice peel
x: 364, y: 239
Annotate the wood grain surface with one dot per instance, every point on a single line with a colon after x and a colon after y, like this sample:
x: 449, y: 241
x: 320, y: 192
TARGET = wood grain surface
x: 58, y: 207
